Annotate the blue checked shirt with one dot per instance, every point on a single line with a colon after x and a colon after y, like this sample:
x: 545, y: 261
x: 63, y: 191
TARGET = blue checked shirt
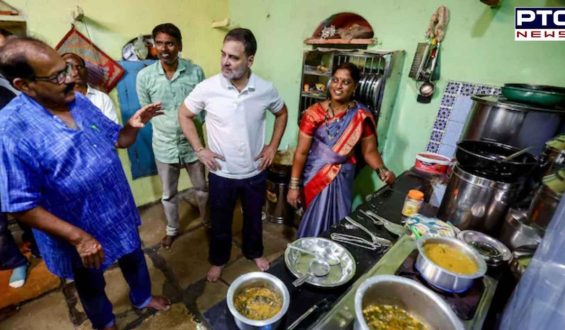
x: 73, y: 173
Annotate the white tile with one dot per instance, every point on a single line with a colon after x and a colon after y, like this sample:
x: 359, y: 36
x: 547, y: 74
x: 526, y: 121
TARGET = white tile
x: 461, y: 108
x: 452, y: 133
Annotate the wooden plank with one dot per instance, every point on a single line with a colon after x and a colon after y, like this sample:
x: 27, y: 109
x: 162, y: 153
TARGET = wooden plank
x: 319, y: 41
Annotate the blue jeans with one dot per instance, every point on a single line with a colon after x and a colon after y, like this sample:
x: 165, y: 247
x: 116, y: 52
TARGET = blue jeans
x: 224, y: 194
x: 90, y: 285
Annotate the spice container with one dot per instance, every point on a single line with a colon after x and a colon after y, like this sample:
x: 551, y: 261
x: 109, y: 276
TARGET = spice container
x: 412, y: 203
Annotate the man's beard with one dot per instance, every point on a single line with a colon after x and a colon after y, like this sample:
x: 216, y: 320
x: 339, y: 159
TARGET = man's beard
x: 235, y: 74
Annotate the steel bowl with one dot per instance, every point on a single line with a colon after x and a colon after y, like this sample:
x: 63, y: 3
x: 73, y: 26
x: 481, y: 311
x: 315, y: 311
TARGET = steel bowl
x: 413, y: 297
x: 257, y: 279
x: 443, y: 279
x: 493, y: 251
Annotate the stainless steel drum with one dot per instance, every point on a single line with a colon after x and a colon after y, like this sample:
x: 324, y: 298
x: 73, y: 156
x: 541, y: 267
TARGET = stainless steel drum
x: 473, y: 202
x: 277, y: 208
x: 520, y: 125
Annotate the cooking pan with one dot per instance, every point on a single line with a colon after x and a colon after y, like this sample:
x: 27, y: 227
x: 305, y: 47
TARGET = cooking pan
x: 486, y: 159
x: 550, y: 96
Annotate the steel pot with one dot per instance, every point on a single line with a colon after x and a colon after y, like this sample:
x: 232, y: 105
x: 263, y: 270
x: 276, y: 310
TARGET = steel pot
x: 546, y: 200
x: 408, y: 294
x: 520, y: 125
x: 257, y: 279
x: 516, y: 233
x: 473, y: 202
x: 486, y: 159
x: 443, y: 279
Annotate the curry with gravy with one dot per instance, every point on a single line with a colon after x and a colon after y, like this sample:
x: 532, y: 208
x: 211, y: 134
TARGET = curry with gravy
x: 258, y: 303
x: 450, y: 258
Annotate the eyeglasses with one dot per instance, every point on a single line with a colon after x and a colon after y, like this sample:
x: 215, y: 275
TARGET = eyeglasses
x: 58, y: 78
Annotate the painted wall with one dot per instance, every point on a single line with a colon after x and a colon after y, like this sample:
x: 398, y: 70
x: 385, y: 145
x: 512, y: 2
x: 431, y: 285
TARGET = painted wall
x: 479, y: 47
x: 111, y: 24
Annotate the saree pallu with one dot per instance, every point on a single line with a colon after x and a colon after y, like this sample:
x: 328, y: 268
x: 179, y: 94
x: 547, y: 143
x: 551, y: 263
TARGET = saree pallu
x: 329, y: 171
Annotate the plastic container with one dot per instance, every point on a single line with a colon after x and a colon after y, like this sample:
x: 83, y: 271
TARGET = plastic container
x: 432, y: 163
x: 537, y: 301
x: 412, y: 203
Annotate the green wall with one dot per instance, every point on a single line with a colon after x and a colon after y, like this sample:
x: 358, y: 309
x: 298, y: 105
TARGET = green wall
x: 479, y: 47
x: 110, y: 24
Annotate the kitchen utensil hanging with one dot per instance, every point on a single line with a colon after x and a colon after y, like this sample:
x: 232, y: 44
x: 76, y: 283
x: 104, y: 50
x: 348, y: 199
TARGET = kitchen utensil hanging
x: 425, y: 66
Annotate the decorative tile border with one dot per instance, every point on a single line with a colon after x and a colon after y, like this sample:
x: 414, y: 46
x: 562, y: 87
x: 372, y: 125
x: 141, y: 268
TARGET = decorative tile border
x: 452, y: 113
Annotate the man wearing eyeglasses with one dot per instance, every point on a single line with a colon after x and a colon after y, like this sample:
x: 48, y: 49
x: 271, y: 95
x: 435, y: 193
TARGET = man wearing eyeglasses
x: 169, y: 81
x: 79, y: 76
x: 60, y: 174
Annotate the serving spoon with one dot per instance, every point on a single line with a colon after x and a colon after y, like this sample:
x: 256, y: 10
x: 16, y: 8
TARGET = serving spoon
x: 331, y: 260
x: 317, y: 268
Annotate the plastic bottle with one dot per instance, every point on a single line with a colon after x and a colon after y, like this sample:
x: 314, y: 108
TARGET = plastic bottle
x: 538, y: 302
x: 412, y: 203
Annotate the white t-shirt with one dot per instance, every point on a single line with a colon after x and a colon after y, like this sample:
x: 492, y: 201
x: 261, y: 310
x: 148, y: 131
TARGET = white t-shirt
x: 235, y: 121
x: 103, y: 102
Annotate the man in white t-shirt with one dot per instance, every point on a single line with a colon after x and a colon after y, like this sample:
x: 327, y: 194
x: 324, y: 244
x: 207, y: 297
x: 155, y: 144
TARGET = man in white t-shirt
x: 236, y: 102
x: 79, y: 76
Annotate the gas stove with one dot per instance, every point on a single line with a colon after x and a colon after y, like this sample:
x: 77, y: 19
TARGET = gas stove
x: 471, y: 307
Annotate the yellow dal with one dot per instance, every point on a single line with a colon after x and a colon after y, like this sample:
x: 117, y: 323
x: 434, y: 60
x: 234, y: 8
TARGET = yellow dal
x: 450, y: 258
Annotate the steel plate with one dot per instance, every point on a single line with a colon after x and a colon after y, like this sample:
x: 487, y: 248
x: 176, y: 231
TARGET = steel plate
x: 297, y: 262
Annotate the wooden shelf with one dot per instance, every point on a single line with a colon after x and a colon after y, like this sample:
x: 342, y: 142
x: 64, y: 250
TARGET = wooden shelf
x: 319, y: 41
x: 313, y: 96
x: 319, y: 74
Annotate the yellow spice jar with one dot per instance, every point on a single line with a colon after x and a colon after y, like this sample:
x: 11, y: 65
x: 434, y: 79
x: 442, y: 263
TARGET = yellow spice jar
x: 412, y: 203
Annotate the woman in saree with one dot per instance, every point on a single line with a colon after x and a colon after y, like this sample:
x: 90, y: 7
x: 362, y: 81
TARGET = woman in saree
x: 324, y: 160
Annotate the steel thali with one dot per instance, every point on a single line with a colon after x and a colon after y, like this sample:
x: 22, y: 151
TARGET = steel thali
x: 298, y: 262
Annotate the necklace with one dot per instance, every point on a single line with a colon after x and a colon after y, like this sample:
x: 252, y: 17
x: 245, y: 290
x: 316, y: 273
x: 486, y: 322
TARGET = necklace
x: 332, y: 135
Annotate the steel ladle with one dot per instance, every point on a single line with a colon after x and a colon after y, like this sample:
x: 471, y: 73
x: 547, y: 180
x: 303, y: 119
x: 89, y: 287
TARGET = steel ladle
x: 516, y: 154
x: 331, y: 260
x: 317, y: 268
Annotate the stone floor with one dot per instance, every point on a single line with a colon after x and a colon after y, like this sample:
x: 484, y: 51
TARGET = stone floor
x: 178, y: 273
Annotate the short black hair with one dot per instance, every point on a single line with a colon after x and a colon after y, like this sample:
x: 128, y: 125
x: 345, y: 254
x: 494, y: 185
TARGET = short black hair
x: 14, y: 57
x: 168, y: 28
x: 75, y: 55
x: 353, y: 70
x: 246, y: 37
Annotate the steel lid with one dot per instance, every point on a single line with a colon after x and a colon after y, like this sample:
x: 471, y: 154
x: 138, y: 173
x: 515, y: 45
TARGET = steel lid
x: 502, y: 102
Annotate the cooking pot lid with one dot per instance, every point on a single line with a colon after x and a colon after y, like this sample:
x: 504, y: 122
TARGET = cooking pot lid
x: 502, y: 102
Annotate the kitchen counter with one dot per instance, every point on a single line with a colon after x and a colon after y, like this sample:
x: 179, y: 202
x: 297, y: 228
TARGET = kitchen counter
x: 386, y: 202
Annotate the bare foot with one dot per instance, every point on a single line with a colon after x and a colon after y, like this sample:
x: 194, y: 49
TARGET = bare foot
x: 159, y: 303
x: 262, y: 263
x: 214, y: 273
x: 167, y: 241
